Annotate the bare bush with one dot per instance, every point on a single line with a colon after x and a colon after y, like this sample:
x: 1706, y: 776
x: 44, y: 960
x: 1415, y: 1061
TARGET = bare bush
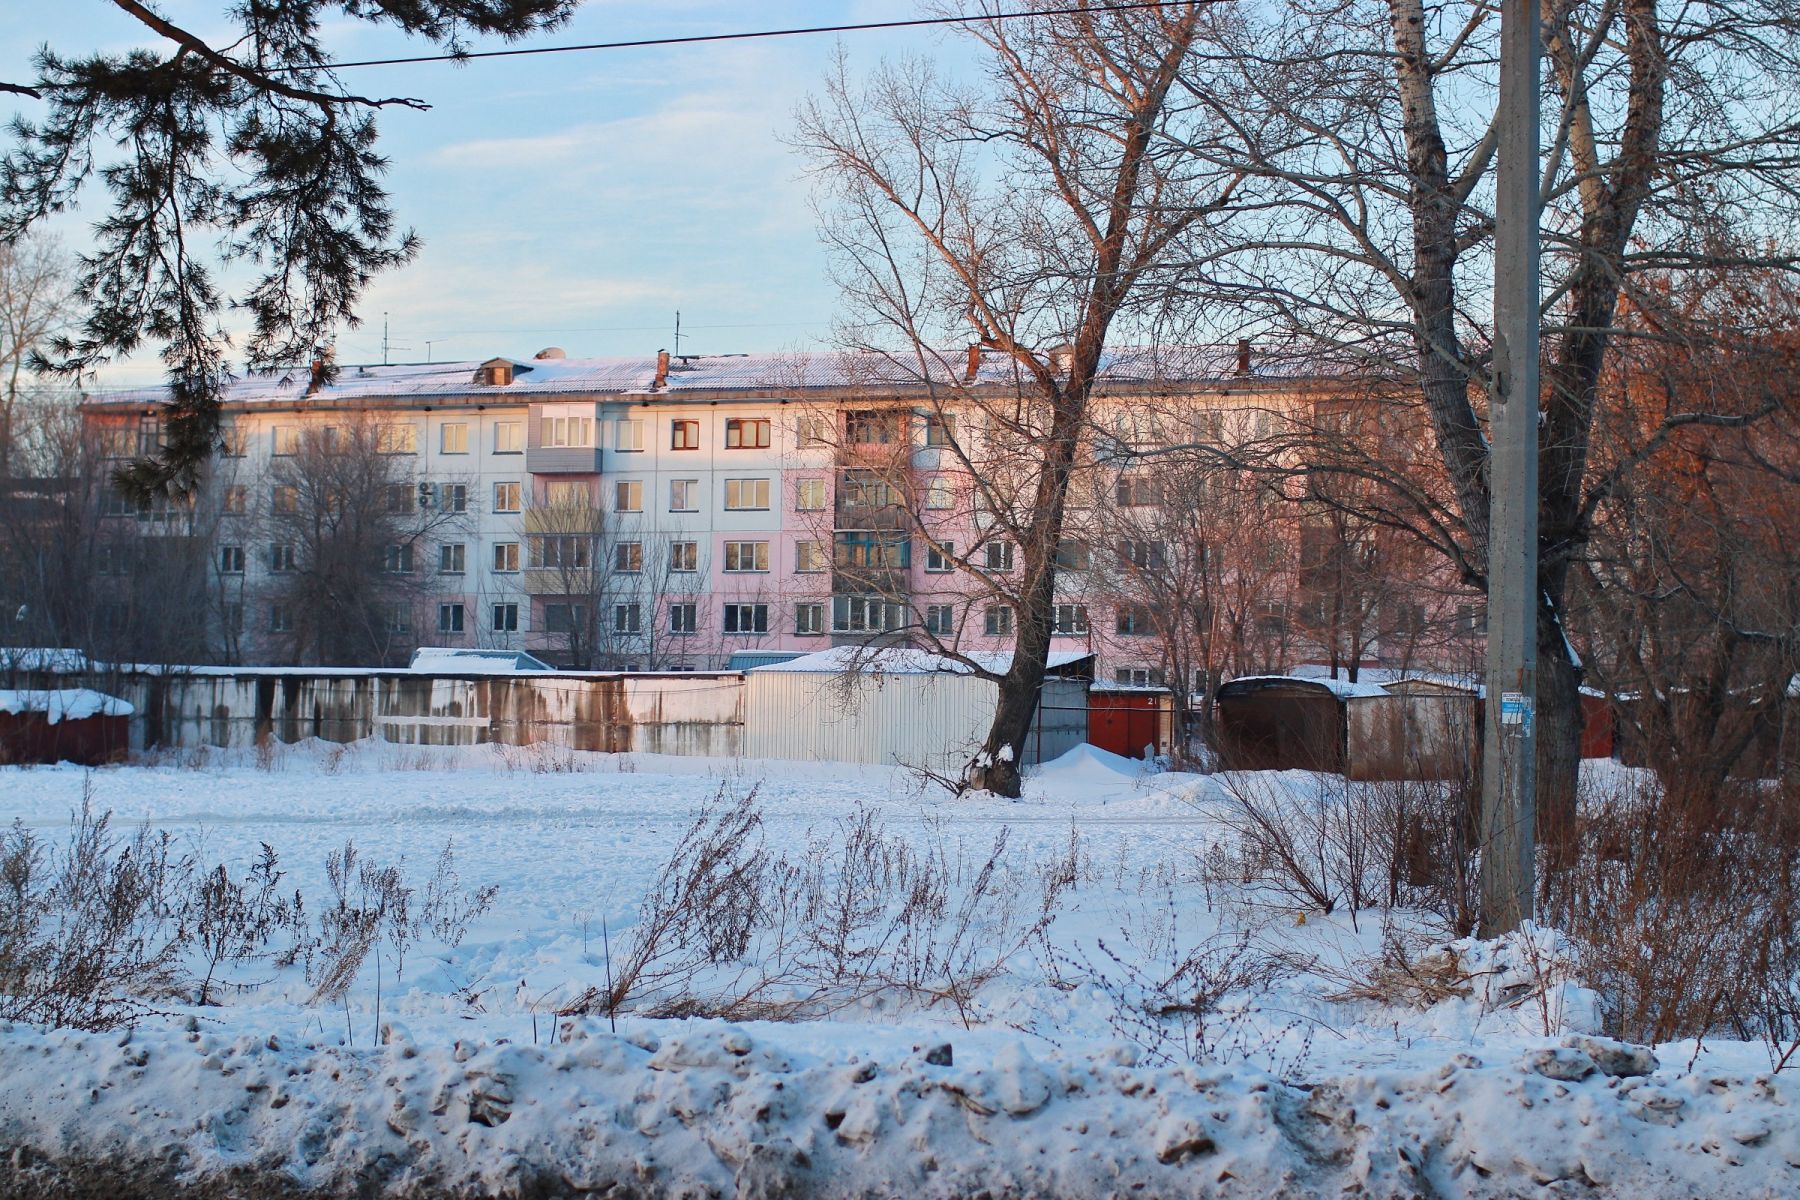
x: 232, y: 920
x: 89, y: 933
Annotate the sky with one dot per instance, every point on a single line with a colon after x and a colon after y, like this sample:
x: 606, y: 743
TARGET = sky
x: 575, y: 200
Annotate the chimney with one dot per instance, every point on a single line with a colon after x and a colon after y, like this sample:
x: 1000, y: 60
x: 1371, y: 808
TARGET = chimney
x: 974, y: 365
x: 1243, y: 356
x: 662, y: 369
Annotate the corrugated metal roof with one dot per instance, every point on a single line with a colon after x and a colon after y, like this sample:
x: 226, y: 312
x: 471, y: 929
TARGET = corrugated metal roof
x: 903, y: 660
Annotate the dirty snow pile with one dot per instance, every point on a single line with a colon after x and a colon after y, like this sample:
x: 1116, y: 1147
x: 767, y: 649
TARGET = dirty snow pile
x: 708, y: 1108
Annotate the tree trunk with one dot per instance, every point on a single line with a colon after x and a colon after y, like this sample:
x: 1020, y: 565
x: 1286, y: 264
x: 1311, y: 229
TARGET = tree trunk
x: 1558, y: 738
x: 997, y: 767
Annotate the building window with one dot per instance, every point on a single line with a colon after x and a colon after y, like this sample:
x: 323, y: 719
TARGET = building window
x: 812, y: 429
x: 506, y: 497
x: 568, y: 494
x: 746, y: 433
x: 231, y: 560
x: 506, y: 556
x: 940, y: 429
x: 940, y: 557
x: 628, y: 496
x: 397, y: 439
x: 452, y: 558
x: 809, y: 619
x: 684, y: 556
x: 281, y: 619
x: 402, y: 498
x: 684, y: 618
x: 940, y: 620
x: 1072, y: 555
x: 684, y: 435
x: 236, y: 501
x: 879, y: 548
x: 1144, y: 556
x: 863, y: 488
x: 628, y: 618
x: 568, y: 551
x: 809, y: 495
x: 998, y: 556
x: 567, y: 432
x: 282, y: 558
x: 1133, y: 620
x: 286, y: 440
x: 1071, y: 620
x: 453, y: 438
x: 746, y: 494
x: 233, y: 441
x: 746, y: 618
x: 809, y: 556
x: 450, y: 618
x: 399, y: 618
x: 628, y: 436
x: 1137, y: 491
x: 628, y: 557
x: 456, y: 497
x: 506, y: 618
x: 939, y: 494
x: 866, y: 614
x: 509, y: 437
x: 746, y: 556
x: 398, y: 559
x: 564, y: 618
x: 684, y: 495
x: 870, y: 427
x: 998, y: 620
x: 1138, y: 676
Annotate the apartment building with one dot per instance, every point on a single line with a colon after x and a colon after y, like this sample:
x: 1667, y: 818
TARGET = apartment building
x: 683, y: 513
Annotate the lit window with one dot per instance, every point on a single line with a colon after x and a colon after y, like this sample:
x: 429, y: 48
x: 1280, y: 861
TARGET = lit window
x: 287, y: 440
x: 744, y: 433
x: 809, y: 556
x: 809, y: 495
x: 684, y: 435
x: 684, y: 495
x: 746, y: 494
x: 562, y: 429
x: 509, y: 437
x: 453, y: 438
x: 397, y: 439
x: 236, y: 500
x: 629, y: 436
x: 746, y: 556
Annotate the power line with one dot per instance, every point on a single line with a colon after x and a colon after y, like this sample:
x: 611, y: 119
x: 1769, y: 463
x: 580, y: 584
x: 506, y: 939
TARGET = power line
x: 699, y: 38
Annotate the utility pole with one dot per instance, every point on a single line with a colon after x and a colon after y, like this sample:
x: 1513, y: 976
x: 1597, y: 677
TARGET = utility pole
x: 1509, y: 760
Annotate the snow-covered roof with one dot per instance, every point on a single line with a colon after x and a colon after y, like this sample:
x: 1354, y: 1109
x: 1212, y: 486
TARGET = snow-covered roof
x: 1322, y: 673
x: 64, y: 704
x: 709, y: 373
x: 1343, y: 689
x: 455, y: 659
x: 905, y: 660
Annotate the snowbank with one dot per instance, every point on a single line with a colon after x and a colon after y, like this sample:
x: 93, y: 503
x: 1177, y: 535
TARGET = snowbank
x: 64, y: 704
x: 706, y: 1108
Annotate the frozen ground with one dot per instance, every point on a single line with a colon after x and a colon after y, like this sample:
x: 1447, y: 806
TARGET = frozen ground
x: 1057, y: 1082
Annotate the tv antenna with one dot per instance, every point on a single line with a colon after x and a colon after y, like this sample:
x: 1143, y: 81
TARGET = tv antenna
x: 385, y: 344
x: 678, y: 333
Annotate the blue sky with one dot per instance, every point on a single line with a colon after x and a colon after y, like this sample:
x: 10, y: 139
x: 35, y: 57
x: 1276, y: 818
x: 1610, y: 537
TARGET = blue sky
x: 576, y: 200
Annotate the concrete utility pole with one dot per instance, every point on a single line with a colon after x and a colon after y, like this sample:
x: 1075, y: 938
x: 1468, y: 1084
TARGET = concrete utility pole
x: 1509, y: 761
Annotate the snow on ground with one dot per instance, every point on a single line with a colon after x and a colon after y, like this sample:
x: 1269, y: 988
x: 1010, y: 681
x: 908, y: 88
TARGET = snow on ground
x: 1056, y: 1084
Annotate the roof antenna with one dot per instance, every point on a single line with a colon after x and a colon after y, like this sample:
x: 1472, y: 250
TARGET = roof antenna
x: 385, y: 345
x: 678, y: 333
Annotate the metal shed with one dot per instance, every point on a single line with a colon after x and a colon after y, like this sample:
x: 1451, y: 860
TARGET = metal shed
x: 1413, y: 729
x: 1282, y: 723
x: 51, y: 725
x: 1126, y: 721
x: 901, y: 707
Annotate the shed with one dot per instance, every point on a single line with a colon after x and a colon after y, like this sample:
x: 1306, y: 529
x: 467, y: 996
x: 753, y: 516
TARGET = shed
x: 1127, y: 721
x: 1282, y: 722
x: 51, y: 725
x: 1413, y: 729
x: 902, y: 706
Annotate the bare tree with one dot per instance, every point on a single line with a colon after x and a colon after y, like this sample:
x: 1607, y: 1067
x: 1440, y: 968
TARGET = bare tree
x: 36, y: 301
x: 1366, y: 126
x: 1028, y: 219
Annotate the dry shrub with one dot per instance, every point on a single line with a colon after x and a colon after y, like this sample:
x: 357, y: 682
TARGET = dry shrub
x: 89, y: 931
x: 1686, y: 912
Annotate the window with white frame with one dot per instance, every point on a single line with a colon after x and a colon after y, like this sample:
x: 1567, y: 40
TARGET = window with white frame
x: 684, y: 618
x: 628, y: 496
x: 809, y: 556
x: 506, y: 556
x: 398, y: 438
x: 231, y: 560
x: 866, y: 614
x: 398, y: 558
x: 628, y: 617
x: 1071, y: 620
x: 565, y: 551
x: 568, y: 494
x: 509, y: 437
x: 684, y: 556
x: 628, y: 435
x: 628, y: 557
x: 809, y: 619
x: 506, y: 497
x: 809, y: 495
x: 939, y: 494
x: 940, y: 429
x: 746, y: 494
x: 940, y: 620
x: 997, y: 556
x: 283, y: 558
x: 456, y: 497
x: 506, y: 618
x: 450, y: 618
x: 566, y: 427
x: 453, y: 438
x: 746, y: 433
x: 1138, y: 676
x: 813, y: 429
x: 1144, y: 556
x: 684, y: 495
x: 746, y: 618
x: 453, y: 558
x: 940, y: 557
x: 997, y: 620
x: 746, y: 556
x: 1133, y: 620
